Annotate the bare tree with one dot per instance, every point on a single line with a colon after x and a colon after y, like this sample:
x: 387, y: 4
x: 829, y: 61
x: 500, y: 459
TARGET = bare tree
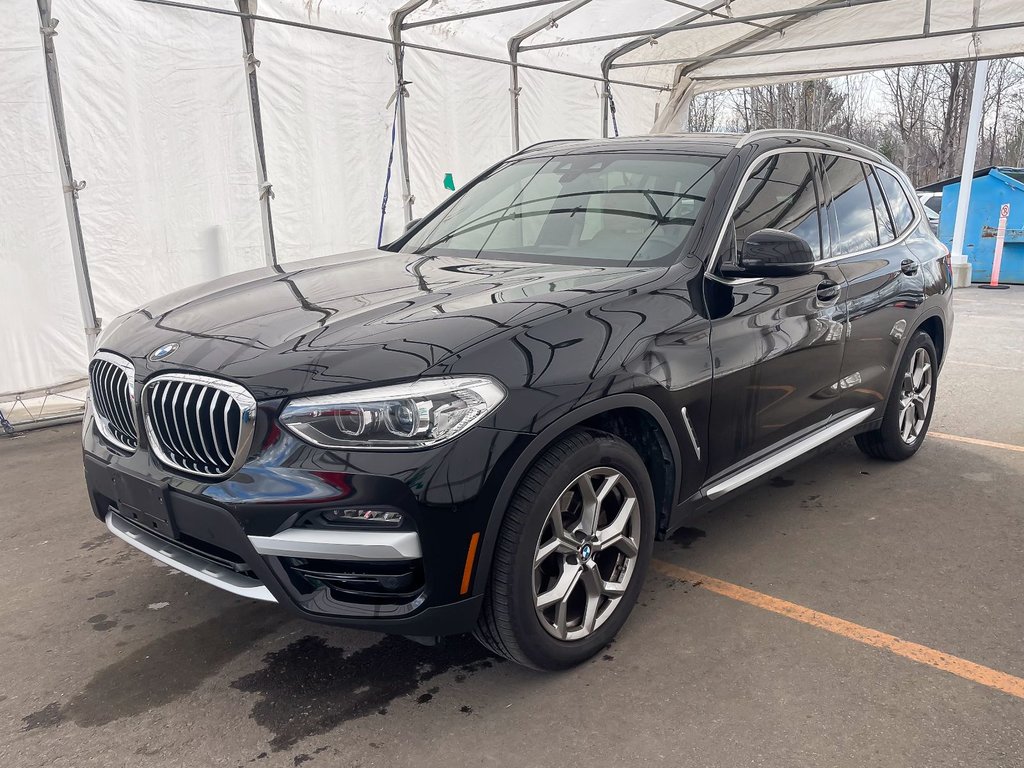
x: 917, y: 116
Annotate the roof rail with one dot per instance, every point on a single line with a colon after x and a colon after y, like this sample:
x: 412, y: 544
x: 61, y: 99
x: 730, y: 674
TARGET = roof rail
x: 542, y: 143
x: 763, y: 133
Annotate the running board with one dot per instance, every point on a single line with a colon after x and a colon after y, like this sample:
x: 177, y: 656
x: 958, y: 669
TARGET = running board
x: 787, y: 454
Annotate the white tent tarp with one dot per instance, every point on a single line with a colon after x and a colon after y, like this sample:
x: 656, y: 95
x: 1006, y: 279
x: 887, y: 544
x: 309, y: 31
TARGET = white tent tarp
x: 157, y: 110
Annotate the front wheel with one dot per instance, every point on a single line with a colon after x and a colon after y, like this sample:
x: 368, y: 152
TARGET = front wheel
x: 572, y: 553
x: 908, y: 412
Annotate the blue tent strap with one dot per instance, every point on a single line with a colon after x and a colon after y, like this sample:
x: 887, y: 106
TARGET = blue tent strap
x: 387, y: 178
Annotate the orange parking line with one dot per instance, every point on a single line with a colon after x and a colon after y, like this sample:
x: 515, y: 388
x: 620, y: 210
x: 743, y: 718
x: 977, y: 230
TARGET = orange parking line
x: 976, y: 441
x: 922, y: 654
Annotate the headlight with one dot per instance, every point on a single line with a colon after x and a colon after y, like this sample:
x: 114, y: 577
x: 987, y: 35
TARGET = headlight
x: 415, y: 415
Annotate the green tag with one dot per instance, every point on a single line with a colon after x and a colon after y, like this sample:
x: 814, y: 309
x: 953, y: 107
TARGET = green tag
x: 449, y: 182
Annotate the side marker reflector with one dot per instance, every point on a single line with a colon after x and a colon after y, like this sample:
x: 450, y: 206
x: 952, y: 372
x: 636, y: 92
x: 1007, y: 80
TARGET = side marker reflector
x: 467, y: 572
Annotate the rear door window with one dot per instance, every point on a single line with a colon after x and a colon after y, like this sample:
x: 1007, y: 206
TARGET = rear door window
x: 850, y: 208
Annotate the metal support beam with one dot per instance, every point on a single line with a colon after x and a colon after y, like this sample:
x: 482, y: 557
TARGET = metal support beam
x: 514, y: 44
x: 91, y: 323
x: 476, y: 14
x: 716, y: 14
x: 610, y: 58
x: 389, y: 41
x: 744, y: 54
x: 648, y: 34
x: 961, y: 269
x: 822, y: 72
x: 266, y: 193
x: 397, y: 21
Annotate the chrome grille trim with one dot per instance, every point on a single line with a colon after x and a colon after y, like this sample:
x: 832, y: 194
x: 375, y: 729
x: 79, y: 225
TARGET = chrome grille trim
x: 200, y: 425
x: 112, y: 387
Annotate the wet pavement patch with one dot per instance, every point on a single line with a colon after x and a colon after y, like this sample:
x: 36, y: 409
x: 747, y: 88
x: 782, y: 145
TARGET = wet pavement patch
x: 101, y: 622
x: 46, y: 717
x: 162, y: 671
x: 684, y: 537
x: 309, y: 687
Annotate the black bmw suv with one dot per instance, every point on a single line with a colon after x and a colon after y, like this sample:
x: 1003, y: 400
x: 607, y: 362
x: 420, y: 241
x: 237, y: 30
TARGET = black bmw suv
x: 485, y: 425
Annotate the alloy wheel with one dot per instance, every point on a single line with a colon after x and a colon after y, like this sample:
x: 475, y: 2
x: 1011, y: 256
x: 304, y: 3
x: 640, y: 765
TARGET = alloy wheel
x: 916, y: 397
x: 586, y: 553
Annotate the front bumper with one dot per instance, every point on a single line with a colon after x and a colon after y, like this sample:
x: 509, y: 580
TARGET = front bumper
x: 255, y: 534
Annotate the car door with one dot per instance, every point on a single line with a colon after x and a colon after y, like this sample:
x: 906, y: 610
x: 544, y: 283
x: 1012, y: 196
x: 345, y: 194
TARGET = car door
x: 869, y: 215
x: 776, y: 343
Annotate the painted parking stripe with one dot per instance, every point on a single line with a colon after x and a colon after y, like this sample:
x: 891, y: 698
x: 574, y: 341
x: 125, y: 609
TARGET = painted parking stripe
x: 977, y: 441
x: 986, y: 365
x: 922, y: 654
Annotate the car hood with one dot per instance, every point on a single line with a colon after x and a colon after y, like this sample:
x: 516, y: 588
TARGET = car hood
x: 361, y: 318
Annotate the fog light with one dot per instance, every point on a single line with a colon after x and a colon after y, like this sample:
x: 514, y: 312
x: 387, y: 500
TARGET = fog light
x: 371, y: 516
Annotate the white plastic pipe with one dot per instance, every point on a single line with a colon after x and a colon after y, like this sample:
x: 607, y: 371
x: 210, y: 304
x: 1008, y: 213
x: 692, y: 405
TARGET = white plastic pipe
x: 962, y: 276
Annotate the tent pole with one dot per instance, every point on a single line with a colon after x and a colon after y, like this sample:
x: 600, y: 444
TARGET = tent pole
x: 513, y: 90
x: 644, y: 35
x: 47, y: 28
x: 608, y: 62
x: 961, y: 267
x: 605, y: 90
x: 514, y: 43
x: 397, y: 19
x: 390, y: 41
x: 479, y: 12
x: 740, y: 53
x: 266, y: 193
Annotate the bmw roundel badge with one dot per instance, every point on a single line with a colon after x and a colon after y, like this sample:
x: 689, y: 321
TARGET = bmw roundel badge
x: 161, y: 352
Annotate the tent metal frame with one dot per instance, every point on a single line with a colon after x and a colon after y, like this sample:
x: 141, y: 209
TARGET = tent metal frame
x: 714, y: 13
x: 87, y: 305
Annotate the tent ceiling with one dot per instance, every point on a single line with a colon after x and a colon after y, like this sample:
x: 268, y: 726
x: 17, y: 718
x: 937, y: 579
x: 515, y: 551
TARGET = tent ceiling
x: 697, y: 45
x: 728, y: 43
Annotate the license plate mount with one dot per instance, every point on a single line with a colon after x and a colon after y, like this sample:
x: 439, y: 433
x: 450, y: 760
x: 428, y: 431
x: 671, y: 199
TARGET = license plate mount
x: 144, y: 503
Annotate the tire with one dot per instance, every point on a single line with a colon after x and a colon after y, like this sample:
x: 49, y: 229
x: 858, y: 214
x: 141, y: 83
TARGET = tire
x: 608, y: 576
x: 890, y: 442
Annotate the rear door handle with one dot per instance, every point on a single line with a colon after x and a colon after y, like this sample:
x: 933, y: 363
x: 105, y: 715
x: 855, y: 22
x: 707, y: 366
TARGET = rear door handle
x: 909, y: 266
x: 828, y: 290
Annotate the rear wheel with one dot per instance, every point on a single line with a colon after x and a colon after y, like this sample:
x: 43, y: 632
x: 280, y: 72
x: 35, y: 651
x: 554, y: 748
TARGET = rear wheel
x: 572, y: 553
x: 908, y: 412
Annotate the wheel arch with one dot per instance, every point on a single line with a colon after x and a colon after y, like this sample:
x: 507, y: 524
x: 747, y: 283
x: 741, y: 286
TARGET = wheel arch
x: 932, y: 323
x: 935, y: 327
x: 606, y: 415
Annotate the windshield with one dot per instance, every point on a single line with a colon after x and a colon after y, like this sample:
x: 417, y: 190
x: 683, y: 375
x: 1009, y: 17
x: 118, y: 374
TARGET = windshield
x: 614, y: 209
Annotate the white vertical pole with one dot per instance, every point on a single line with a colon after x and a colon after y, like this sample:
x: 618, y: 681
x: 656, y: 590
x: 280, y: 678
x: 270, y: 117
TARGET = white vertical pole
x: 71, y: 187
x: 397, y: 19
x: 514, y: 90
x: 961, y: 268
x: 248, y: 7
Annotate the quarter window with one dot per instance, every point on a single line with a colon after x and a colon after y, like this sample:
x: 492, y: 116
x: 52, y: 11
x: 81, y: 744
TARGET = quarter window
x: 886, y: 230
x: 850, y: 208
x: 781, y: 194
x: 896, y: 195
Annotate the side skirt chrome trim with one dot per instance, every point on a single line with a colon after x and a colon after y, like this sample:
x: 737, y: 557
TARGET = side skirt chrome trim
x: 186, y: 562
x: 690, y: 432
x: 340, y: 544
x: 788, y: 453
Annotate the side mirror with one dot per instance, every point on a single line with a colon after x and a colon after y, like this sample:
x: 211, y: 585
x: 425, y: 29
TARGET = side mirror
x: 412, y: 225
x: 774, y: 253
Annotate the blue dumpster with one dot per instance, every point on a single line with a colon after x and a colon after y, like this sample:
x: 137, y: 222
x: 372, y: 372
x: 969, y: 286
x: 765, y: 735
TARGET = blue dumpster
x: 989, y: 192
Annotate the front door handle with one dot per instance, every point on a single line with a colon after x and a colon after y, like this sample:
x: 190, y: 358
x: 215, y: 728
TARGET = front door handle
x: 909, y: 266
x: 828, y: 291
